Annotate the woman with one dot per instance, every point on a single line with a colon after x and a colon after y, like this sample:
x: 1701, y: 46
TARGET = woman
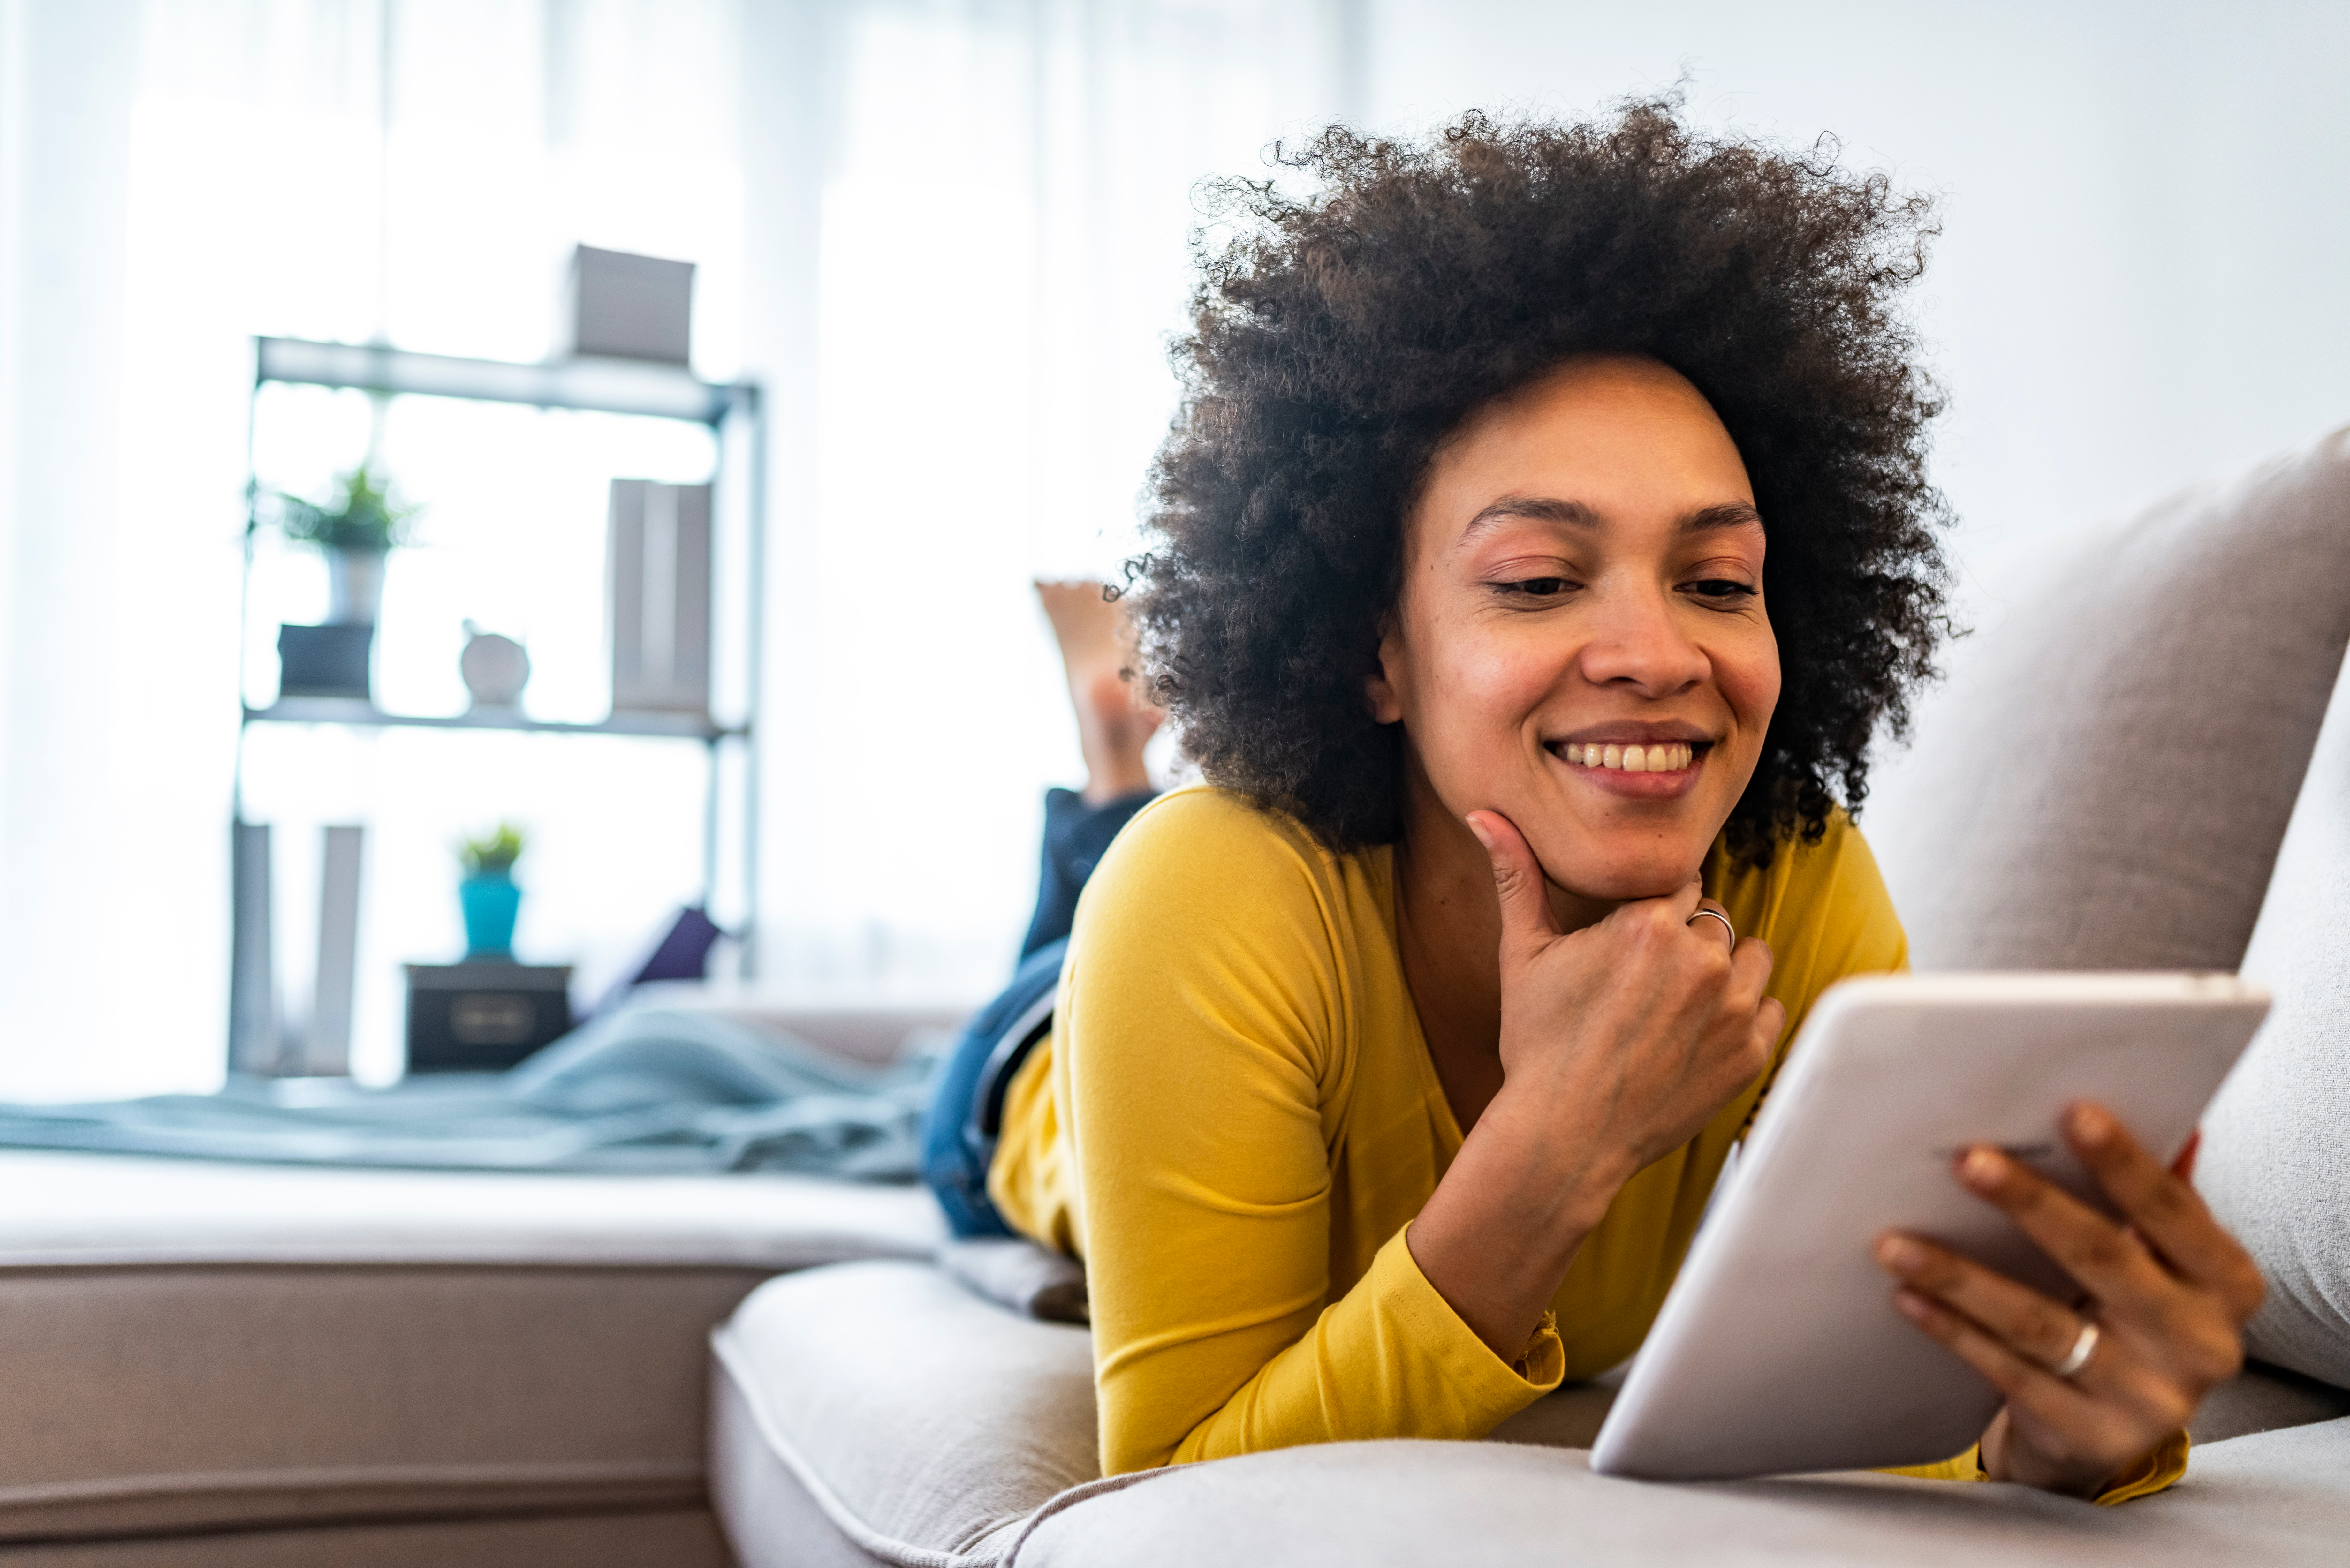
x: 1545, y: 537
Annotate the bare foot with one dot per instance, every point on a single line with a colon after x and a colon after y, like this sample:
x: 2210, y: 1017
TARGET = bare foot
x: 1113, y: 723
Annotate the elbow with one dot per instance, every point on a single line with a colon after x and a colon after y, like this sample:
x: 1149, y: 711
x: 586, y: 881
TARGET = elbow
x: 1128, y: 1459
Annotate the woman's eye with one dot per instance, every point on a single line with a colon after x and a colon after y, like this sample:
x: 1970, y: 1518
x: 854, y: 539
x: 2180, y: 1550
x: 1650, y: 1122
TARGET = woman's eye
x: 1538, y: 588
x: 1721, y: 588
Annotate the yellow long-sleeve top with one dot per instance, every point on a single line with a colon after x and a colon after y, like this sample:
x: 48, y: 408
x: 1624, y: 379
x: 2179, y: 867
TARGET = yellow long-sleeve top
x: 1235, y: 1118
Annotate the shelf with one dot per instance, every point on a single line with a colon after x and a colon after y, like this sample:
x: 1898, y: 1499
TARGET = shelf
x: 359, y: 711
x: 597, y: 385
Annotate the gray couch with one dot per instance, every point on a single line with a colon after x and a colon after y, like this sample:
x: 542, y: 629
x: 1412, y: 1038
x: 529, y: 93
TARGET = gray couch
x: 216, y: 1365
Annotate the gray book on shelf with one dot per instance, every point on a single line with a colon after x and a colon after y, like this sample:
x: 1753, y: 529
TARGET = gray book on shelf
x: 658, y: 595
x: 252, y: 1039
x: 327, y: 1047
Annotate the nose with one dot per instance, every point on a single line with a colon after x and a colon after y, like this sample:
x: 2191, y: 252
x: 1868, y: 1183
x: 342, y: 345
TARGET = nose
x: 1639, y: 644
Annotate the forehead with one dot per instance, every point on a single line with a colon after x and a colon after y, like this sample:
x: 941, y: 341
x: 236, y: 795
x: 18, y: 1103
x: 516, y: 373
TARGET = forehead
x: 1612, y: 438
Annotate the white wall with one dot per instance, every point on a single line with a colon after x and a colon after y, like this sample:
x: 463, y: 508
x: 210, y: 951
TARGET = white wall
x: 2144, y: 277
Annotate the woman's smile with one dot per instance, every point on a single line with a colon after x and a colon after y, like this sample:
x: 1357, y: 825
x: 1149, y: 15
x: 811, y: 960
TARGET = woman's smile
x: 1635, y: 765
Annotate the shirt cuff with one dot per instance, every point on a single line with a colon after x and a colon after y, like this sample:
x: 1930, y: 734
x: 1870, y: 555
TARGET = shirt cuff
x: 1482, y: 1379
x: 2161, y: 1468
x: 1966, y: 1466
x: 2156, y: 1471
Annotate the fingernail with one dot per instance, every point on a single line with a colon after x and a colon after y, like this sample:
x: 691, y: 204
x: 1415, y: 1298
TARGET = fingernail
x: 1900, y: 1254
x: 1913, y: 1306
x: 1478, y: 828
x: 2091, y: 1128
x: 1980, y: 1168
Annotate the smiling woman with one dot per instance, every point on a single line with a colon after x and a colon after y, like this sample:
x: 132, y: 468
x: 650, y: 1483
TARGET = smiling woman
x: 1544, y: 537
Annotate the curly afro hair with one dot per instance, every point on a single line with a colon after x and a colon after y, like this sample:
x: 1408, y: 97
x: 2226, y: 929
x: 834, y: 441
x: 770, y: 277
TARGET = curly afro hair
x: 1339, y: 338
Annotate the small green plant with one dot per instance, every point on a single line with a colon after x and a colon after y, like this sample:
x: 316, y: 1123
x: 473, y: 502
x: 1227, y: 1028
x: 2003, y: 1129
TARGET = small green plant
x: 363, y: 514
x: 491, y: 854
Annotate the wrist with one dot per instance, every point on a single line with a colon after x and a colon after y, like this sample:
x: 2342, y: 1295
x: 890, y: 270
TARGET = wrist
x: 1502, y: 1227
x: 1563, y: 1177
x: 1997, y: 1456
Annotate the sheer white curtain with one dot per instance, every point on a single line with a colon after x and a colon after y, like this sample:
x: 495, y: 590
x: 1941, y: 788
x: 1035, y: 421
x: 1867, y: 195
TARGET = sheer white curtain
x: 1003, y: 258
x: 948, y: 238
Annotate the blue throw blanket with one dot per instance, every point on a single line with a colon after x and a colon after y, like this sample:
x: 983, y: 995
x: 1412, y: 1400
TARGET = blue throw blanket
x: 646, y: 1090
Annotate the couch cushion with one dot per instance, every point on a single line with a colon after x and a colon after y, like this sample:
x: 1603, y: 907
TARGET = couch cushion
x: 93, y: 1210
x: 2280, y: 1497
x: 880, y: 1412
x: 193, y: 1345
x: 2060, y: 809
x: 2275, y: 1165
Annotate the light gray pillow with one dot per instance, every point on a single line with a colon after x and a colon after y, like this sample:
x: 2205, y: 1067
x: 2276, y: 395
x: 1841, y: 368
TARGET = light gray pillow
x: 2275, y: 1162
x: 2103, y: 781
x: 1016, y: 1272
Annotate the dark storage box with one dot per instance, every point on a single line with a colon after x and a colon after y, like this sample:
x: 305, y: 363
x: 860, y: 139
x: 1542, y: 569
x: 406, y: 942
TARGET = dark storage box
x: 484, y: 1017
x: 323, y: 660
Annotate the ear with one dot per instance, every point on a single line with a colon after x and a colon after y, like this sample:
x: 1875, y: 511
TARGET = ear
x: 1384, y: 687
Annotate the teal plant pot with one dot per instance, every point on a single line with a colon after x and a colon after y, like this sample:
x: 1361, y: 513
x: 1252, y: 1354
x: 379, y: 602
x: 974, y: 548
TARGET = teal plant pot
x: 491, y: 904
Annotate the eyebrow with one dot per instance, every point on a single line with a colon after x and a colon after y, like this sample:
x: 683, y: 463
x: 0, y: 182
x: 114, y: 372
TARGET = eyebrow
x: 1576, y: 514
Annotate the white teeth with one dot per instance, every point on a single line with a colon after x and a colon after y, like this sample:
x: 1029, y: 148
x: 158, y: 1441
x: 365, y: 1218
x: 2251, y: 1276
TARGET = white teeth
x: 1664, y: 757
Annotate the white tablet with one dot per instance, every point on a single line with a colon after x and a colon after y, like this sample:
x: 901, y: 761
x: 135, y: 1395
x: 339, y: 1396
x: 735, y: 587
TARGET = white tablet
x: 1779, y: 1349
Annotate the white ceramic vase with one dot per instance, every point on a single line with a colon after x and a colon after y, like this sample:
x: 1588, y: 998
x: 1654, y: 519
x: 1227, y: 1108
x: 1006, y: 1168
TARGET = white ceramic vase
x: 354, y: 586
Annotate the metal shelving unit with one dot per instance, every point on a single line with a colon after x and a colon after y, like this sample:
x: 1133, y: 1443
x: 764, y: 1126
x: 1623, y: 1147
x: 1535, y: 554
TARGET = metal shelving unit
x: 733, y: 414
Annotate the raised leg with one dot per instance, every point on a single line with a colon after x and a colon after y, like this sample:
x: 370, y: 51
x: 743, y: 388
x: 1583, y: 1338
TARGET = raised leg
x: 1113, y: 721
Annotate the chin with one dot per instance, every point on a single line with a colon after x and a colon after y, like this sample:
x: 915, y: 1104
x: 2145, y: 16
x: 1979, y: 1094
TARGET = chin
x: 1619, y: 878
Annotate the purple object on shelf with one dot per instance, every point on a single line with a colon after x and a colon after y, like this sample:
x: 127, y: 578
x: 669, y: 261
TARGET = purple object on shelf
x: 682, y: 953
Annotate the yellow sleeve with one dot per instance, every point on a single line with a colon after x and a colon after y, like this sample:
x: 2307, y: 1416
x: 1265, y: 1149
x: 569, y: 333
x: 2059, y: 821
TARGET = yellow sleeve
x: 2157, y: 1472
x: 2160, y: 1468
x: 1203, y: 1032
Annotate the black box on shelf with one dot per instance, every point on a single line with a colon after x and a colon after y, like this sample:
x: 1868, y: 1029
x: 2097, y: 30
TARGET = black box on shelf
x: 324, y: 661
x: 484, y: 1017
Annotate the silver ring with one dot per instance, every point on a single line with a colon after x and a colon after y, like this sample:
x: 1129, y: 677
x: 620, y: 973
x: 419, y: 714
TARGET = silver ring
x: 2085, y: 1345
x: 1716, y: 915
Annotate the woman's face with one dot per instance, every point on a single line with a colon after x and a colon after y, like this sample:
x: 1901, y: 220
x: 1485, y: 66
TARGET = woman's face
x: 1581, y: 643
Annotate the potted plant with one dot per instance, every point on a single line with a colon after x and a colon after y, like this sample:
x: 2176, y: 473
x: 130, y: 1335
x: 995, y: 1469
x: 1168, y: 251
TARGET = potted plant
x: 488, y: 893
x: 354, y: 529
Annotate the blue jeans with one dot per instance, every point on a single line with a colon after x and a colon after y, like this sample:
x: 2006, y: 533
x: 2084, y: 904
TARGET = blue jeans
x: 965, y: 1119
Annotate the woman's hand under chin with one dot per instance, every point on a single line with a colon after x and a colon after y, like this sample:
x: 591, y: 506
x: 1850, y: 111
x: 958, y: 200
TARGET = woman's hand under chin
x: 1648, y: 1017
x: 1619, y: 1043
x: 2167, y: 1293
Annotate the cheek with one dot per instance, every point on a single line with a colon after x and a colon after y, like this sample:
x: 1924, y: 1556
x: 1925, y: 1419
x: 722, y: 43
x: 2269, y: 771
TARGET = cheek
x: 1490, y: 679
x: 1748, y: 677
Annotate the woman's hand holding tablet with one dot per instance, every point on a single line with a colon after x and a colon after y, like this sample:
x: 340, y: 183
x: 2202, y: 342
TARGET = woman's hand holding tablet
x: 2092, y: 1387
x: 1984, y: 1138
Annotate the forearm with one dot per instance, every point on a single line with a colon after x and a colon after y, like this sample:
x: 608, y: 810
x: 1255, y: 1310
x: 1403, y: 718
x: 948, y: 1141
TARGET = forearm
x: 1388, y: 1359
x: 1498, y: 1235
